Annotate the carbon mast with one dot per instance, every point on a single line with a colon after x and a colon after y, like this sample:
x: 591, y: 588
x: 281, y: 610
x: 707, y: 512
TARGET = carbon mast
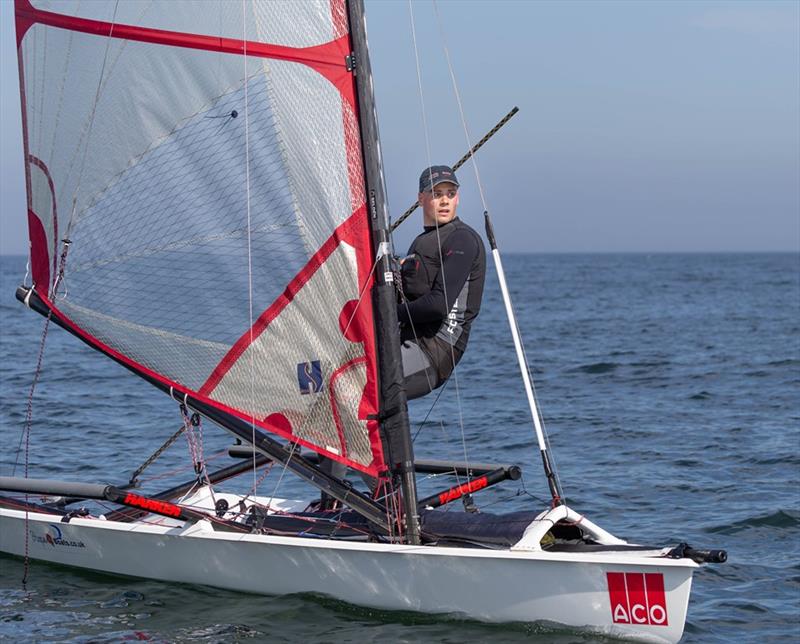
x: 393, y: 402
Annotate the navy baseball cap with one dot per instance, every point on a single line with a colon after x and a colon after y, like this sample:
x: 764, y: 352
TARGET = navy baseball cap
x: 436, y: 174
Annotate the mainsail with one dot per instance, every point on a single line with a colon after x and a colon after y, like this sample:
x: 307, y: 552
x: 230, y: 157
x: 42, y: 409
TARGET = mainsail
x: 203, y: 162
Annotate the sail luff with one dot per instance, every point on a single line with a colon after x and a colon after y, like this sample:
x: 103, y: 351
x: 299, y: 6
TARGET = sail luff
x: 41, y: 258
x: 394, y: 404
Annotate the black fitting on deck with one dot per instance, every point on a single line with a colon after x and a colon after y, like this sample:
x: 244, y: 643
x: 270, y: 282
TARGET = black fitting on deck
x: 685, y: 551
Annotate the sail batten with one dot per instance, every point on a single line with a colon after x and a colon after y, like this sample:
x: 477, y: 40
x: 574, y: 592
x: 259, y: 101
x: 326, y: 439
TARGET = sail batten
x: 169, y: 195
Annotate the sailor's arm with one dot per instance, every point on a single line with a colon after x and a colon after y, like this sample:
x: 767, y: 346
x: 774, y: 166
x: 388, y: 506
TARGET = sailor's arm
x: 458, y: 256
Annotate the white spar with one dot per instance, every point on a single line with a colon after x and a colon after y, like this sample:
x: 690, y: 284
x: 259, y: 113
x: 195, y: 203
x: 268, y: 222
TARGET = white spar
x: 512, y: 322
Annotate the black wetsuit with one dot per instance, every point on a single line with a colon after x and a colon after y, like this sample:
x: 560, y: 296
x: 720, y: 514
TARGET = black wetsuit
x: 443, y: 293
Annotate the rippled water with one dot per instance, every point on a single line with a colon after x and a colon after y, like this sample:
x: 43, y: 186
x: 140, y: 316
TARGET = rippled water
x: 670, y: 385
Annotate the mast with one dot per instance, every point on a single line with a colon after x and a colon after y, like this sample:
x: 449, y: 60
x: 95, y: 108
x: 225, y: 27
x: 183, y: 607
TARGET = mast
x: 394, y: 404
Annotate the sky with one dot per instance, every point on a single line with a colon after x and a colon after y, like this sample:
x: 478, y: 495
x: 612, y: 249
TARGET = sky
x: 643, y: 126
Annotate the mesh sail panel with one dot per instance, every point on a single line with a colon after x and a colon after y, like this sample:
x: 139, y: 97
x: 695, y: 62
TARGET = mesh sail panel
x: 214, y: 202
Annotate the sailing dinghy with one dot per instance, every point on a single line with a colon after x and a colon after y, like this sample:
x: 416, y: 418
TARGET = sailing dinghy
x: 206, y: 208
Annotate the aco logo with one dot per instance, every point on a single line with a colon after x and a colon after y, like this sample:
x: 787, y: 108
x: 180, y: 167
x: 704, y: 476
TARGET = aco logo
x: 637, y: 598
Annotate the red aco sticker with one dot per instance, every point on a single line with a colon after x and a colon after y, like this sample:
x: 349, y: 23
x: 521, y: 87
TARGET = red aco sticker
x: 637, y: 598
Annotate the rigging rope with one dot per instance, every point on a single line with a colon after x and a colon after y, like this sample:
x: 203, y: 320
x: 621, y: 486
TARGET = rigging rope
x: 295, y: 445
x: 249, y: 244
x: 283, y: 472
x: 26, y: 428
x: 90, y: 127
x: 416, y: 338
x: 260, y: 480
x: 152, y: 458
x: 26, y: 431
x: 461, y: 161
x: 485, y: 207
x: 427, y: 148
x: 425, y: 420
x: 454, y: 373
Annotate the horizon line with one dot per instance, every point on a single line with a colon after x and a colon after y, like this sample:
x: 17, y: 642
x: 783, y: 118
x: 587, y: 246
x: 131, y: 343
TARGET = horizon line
x: 795, y: 251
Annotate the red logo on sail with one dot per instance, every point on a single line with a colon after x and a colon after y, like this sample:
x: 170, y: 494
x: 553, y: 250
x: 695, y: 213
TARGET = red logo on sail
x: 637, y: 598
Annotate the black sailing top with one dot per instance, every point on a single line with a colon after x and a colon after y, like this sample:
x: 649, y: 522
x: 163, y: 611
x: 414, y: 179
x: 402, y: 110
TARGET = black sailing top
x: 443, y: 291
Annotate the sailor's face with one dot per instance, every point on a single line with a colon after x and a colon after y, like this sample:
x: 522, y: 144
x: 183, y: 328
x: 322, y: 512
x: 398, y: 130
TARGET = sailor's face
x: 439, y: 205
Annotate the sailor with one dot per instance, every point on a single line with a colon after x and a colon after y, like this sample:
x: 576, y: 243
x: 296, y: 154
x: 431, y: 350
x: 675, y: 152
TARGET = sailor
x: 442, y: 283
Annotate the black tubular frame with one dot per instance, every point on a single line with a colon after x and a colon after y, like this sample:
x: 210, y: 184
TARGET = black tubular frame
x: 473, y: 485
x: 217, y: 476
x: 115, y: 495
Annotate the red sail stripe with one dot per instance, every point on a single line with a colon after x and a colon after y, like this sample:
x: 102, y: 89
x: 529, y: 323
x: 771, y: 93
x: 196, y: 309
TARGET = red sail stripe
x: 40, y: 265
x: 328, y: 58
x: 339, y: 18
x: 364, y: 248
x: 43, y: 167
x: 180, y: 389
x: 332, y: 393
x: 355, y: 164
x: 38, y: 239
x: 282, y: 301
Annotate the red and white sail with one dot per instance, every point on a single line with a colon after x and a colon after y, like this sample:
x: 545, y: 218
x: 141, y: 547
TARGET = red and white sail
x: 204, y: 159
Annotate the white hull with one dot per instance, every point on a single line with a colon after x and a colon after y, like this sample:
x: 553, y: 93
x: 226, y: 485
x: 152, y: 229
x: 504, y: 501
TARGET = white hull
x: 489, y: 585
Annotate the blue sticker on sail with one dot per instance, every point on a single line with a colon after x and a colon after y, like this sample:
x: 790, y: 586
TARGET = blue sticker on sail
x: 309, y: 377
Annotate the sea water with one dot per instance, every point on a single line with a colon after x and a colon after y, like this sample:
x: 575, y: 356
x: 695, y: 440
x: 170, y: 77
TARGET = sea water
x: 669, y: 385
